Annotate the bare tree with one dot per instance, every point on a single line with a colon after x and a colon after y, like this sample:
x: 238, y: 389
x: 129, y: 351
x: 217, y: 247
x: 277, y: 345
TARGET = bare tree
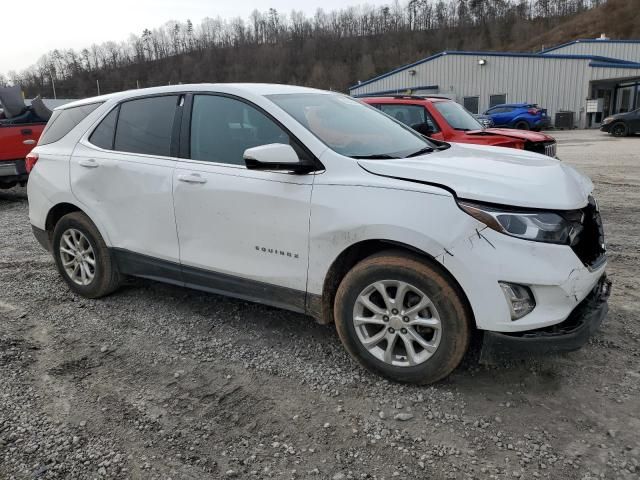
x: 328, y: 49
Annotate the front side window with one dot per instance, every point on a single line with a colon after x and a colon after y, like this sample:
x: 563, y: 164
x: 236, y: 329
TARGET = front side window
x: 349, y: 127
x: 222, y: 128
x: 145, y: 125
x: 411, y: 115
x: 65, y: 120
x: 457, y: 116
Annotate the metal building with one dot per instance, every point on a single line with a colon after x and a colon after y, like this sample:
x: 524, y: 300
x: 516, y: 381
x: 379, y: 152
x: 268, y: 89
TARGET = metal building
x: 592, y: 78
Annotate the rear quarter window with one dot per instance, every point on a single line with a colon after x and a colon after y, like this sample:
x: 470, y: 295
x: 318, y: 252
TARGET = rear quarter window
x: 104, y: 134
x: 63, y: 121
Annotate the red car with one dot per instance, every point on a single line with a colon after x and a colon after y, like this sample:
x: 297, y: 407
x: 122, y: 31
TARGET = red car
x: 20, y: 129
x: 13, y: 151
x: 443, y: 119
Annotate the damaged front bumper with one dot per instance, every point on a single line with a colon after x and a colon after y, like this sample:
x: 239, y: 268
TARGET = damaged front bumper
x: 566, y: 336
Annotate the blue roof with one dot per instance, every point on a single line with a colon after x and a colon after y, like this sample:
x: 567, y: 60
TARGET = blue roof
x: 596, y: 59
x: 587, y: 40
x: 513, y: 105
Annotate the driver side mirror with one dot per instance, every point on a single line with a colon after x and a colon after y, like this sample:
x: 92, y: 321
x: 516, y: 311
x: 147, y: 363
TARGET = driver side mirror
x: 424, y: 129
x: 275, y: 156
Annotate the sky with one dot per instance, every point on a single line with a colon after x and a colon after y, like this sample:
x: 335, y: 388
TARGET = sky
x: 31, y: 29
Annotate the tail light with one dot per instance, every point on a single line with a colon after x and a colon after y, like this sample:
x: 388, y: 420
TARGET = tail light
x: 533, y: 111
x: 30, y: 161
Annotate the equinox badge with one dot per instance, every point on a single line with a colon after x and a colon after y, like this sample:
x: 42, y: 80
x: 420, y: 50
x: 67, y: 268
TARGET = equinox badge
x: 276, y: 251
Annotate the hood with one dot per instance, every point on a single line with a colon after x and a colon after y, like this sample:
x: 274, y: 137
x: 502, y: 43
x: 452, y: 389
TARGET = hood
x: 492, y: 174
x: 525, y: 135
x: 622, y: 115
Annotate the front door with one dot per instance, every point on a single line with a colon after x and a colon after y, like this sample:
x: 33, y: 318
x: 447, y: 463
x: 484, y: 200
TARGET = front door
x: 634, y: 121
x: 500, y: 115
x: 242, y: 232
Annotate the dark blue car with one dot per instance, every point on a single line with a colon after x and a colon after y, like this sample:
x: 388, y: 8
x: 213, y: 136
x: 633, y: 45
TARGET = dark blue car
x: 523, y: 116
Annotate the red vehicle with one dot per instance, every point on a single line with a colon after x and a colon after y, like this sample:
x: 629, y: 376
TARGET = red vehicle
x: 443, y: 119
x: 20, y: 129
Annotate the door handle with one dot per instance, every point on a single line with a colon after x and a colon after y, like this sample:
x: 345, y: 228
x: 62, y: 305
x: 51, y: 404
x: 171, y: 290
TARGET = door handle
x: 26, y: 131
x: 192, y: 178
x: 29, y: 142
x: 88, y: 163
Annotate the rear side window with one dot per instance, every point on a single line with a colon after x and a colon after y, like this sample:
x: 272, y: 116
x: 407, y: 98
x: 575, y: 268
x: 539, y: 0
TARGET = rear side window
x: 103, y: 136
x: 63, y: 121
x: 145, y: 125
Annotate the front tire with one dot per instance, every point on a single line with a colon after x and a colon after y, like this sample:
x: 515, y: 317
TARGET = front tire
x: 619, y: 130
x: 82, y: 257
x: 402, y: 318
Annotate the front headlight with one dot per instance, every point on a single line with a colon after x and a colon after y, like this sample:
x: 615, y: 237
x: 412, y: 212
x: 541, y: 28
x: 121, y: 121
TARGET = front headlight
x: 546, y: 227
x: 607, y: 120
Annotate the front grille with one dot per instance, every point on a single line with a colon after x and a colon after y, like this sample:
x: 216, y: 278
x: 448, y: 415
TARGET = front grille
x: 544, y: 148
x: 588, y: 243
x: 550, y: 149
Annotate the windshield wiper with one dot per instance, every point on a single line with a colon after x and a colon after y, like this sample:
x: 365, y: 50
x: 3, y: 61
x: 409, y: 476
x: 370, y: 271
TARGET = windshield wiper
x: 420, y: 152
x: 373, y: 156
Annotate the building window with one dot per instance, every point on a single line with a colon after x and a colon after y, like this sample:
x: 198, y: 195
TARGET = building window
x: 498, y: 99
x: 472, y: 104
x: 625, y: 100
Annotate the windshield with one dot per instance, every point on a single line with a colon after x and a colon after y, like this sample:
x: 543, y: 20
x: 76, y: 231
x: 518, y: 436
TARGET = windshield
x: 351, y: 128
x: 456, y: 116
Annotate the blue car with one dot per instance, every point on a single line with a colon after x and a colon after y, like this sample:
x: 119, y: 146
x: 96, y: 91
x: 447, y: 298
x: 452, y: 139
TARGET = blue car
x: 523, y: 116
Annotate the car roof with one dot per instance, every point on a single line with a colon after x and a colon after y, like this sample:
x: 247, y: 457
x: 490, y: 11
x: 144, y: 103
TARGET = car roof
x: 513, y: 105
x: 260, y: 89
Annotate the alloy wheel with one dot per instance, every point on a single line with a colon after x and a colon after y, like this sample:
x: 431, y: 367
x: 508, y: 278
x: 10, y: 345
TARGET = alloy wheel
x: 77, y: 256
x: 397, y: 323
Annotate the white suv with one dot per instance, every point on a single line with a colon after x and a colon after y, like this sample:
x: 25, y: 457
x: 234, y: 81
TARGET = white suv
x: 314, y: 202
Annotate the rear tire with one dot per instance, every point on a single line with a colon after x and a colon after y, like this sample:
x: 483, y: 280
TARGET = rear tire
x: 83, y: 259
x: 522, y: 125
x: 619, y: 130
x: 409, y: 346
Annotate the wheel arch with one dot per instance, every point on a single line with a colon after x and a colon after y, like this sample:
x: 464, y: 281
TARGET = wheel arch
x: 617, y: 123
x: 321, y: 306
x: 63, y: 208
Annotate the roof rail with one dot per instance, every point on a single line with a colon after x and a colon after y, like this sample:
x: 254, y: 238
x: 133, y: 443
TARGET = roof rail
x: 389, y: 95
x: 399, y: 96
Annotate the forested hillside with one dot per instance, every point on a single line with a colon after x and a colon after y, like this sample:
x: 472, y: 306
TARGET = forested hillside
x: 327, y: 50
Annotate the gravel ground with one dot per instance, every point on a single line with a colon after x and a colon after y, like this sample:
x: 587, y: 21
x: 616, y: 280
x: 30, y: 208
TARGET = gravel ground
x: 161, y: 382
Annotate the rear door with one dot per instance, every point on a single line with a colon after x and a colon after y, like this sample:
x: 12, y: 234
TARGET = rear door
x: 122, y: 172
x: 242, y: 232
